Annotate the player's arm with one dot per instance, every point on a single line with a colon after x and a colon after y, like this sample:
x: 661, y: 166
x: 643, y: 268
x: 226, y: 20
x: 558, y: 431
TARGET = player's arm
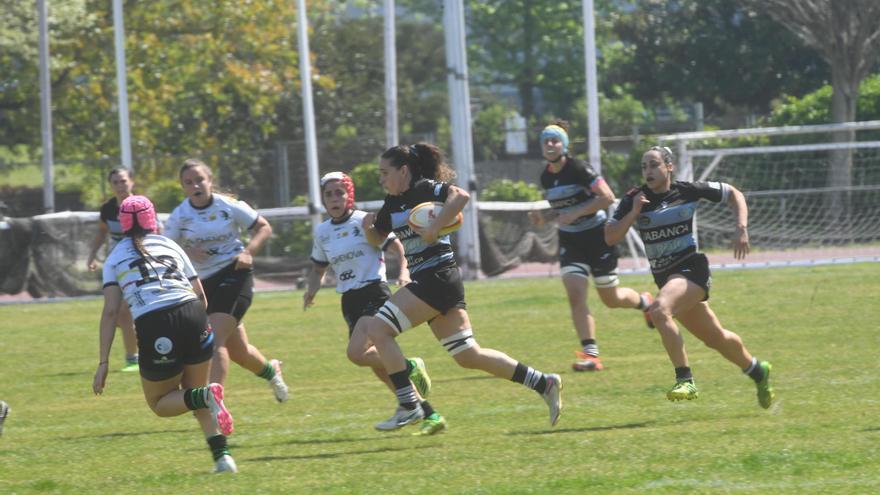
x: 261, y: 230
x: 112, y: 301
x: 603, y: 198
x: 313, y: 284
x: 96, y: 245
x: 737, y: 202
x: 199, y: 290
x: 374, y: 235
x: 396, y: 247
x: 456, y: 199
x: 616, y: 229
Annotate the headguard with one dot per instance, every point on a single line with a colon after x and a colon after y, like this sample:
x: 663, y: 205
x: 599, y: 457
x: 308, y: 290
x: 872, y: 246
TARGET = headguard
x: 137, y: 211
x: 346, y: 182
x: 554, y: 130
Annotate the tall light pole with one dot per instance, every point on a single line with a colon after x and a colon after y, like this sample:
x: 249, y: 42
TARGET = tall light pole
x: 305, y: 73
x: 592, y: 93
x: 122, y: 85
x: 391, y: 136
x: 46, y: 110
x: 462, y: 144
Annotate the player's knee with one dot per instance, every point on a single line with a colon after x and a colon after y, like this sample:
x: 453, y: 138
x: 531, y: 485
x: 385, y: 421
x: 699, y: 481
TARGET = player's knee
x: 658, y: 313
x: 356, y: 355
x: 463, y: 348
x: 388, y: 318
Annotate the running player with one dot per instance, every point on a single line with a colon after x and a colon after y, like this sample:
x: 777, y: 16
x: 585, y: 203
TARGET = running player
x: 412, y: 175
x: 663, y: 210
x: 160, y: 286
x: 121, y: 181
x: 208, y: 226
x: 579, y: 197
x: 360, y: 275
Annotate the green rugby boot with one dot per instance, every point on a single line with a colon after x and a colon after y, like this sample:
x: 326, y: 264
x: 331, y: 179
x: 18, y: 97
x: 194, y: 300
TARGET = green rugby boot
x: 766, y: 395
x: 683, y: 390
x: 419, y: 376
x: 431, y: 425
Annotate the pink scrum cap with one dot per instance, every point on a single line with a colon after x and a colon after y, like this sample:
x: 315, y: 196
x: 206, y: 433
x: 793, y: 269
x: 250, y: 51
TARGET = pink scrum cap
x: 137, y: 210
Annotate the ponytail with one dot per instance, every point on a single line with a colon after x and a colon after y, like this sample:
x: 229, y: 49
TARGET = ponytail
x: 424, y: 161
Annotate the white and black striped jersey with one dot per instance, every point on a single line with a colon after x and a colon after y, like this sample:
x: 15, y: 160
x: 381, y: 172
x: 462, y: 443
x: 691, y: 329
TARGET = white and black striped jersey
x: 160, y: 280
x: 393, y: 218
x: 666, y: 224
x: 342, y: 245
x: 214, y: 230
x: 569, y: 189
x: 110, y: 216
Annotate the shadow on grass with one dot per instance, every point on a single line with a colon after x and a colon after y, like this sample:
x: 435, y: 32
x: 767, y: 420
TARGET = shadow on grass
x: 126, y: 434
x: 319, y: 441
x: 464, y: 378
x: 627, y: 426
x: 334, y: 455
x: 72, y: 373
x: 868, y: 430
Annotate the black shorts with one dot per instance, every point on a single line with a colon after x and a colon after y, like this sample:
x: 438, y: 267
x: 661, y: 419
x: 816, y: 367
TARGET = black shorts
x: 586, y: 253
x: 171, y: 338
x: 440, y: 288
x: 365, y: 301
x: 230, y: 291
x: 694, y: 268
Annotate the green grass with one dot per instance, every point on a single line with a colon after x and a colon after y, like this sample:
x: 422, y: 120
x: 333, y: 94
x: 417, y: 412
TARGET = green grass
x: 617, y: 434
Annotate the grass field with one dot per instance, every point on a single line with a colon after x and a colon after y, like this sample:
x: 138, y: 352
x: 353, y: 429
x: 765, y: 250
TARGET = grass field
x: 618, y: 434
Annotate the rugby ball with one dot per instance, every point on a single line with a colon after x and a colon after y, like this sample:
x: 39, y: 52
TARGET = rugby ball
x: 423, y: 214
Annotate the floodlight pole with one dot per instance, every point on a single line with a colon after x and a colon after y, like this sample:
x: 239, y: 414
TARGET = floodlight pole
x: 305, y: 73
x: 46, y: 110
x: 391, y: 133
x: 462, y: 144
x: 595, y: 159
x: 122, y: 85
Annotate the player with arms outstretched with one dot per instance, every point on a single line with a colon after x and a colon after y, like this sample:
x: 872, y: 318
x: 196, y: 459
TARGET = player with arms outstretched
x: 662, y: 210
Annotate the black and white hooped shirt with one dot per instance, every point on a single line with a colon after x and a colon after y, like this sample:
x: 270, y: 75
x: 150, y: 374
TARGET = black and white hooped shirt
x: 110, y: 216
x: 342, y: 245
x: 392, y: 218
x: 570, y: 189
x: 666, y: 224
x: 148, y: 284
x: 215, y: 230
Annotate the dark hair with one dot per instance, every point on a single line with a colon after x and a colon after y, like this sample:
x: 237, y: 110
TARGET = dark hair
x: 119, y: 170
x: 424, y: 161
x: 192, y: 163
x: 665, y: 153
x: 561, y: 123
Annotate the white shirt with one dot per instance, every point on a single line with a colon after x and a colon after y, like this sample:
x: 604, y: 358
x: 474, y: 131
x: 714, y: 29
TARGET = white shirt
x: 158, y: 281
x: 357, y: 263
x: 215, y: 231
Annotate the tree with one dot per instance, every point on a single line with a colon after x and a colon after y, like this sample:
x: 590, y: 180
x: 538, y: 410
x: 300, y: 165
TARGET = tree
x: 846, y: 33
x: 711, y: 51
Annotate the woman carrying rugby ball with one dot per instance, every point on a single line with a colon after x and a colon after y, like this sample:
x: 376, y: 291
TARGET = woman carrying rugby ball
x: 413, y: 175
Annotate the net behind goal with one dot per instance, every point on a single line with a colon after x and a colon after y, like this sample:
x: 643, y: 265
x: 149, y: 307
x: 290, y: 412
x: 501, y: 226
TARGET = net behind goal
x: 801, y: 207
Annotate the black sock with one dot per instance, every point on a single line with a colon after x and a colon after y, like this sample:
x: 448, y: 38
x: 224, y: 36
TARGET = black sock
x: 427, y: 408
x: 755, y: 371
x: 586, y: 342
x: 194, y: 398
x: 218, y: 446
x: 683, y: 373
x: 406, y: 394
x: 529, y: 377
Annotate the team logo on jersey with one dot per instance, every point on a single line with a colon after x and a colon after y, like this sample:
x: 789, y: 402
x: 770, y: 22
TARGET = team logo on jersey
x: 644, y: 220
x: 357, y: 231
x: 163, y: 345
x: 224, y: 214
x: 212, y: 217
x: 686, y: 212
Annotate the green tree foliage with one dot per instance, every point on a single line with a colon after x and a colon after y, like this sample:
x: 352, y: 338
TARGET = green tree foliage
x: 508, y: 190
x: 712, y: 51
x: 815, y: 108
x: 366, y: 182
